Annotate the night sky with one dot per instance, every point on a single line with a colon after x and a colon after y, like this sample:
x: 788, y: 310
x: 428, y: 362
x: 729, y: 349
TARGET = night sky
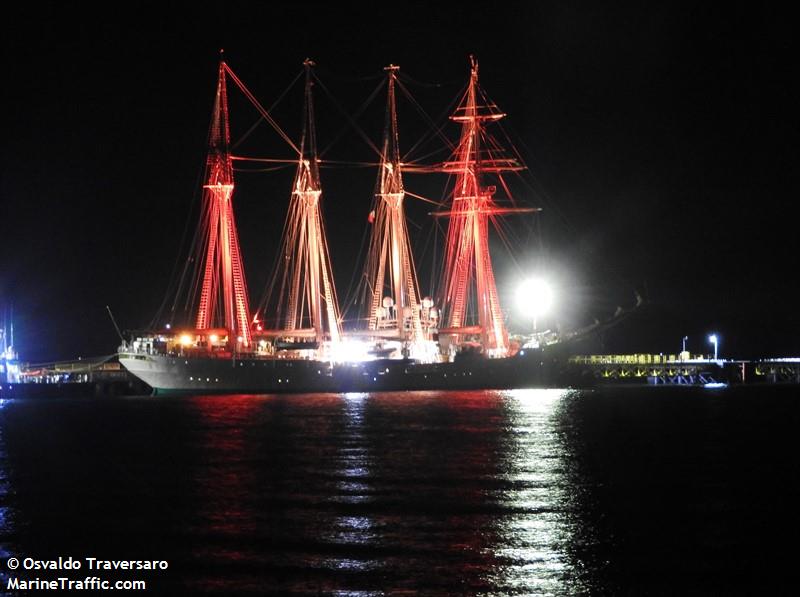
x: 661, y: 142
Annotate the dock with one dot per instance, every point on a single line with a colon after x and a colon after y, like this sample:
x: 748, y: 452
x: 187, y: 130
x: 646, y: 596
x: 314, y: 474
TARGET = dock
x: 82, y: 377
x: 682, y: 369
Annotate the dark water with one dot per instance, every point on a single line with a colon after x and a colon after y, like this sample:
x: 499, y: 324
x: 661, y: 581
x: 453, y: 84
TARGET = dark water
x: 617, y: 492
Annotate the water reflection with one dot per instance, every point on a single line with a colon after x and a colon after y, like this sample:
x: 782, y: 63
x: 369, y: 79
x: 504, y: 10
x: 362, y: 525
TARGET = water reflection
x: 7, y: 547
x: 352, y: 465
x: 227, y: 463
x: 477, y: 493
x: 534, y: 529
x: 227, y: 517
x: 353, y: 530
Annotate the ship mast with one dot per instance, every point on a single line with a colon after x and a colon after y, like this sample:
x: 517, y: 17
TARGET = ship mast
x: 308, y: 307
x: 468, y: 266
x: 223, y: 295
x: 394, y: 303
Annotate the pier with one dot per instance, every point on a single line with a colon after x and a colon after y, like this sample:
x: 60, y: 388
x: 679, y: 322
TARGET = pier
x: 681, y: 369
x: 94, y: 376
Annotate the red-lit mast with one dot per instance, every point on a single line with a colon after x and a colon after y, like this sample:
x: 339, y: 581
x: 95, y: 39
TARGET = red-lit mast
x: 223, y: 295
x: 394, y: 303
x: 468, y: 269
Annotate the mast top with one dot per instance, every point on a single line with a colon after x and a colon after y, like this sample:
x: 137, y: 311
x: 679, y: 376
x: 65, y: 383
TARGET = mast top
x: 473, y: 65
x: 308, y: 63
x: 391, y: 67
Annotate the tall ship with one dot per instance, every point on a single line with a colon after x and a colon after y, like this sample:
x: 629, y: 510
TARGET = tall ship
x: 295, y: 340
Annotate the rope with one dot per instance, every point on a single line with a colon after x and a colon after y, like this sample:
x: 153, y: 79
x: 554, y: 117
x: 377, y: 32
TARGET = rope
x: 437, y: 130
x: 271, y: 108
x: 261, y: 109
x: 420, y: 197
x: 350, y: 118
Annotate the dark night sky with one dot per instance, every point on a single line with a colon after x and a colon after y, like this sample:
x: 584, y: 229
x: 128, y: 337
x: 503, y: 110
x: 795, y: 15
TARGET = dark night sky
x: 660, y: 140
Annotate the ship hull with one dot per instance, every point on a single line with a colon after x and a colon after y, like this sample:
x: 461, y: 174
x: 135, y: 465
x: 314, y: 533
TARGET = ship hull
x: 168, y: 374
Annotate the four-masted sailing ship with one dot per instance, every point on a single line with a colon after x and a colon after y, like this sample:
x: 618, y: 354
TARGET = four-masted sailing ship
x: 295, y: 341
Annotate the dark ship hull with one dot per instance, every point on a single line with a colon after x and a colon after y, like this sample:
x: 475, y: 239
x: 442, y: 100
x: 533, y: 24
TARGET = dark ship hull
x: 168, y: 374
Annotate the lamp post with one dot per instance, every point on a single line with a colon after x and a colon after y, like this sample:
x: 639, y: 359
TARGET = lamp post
x: 715, y: 341
x: 684, y: 354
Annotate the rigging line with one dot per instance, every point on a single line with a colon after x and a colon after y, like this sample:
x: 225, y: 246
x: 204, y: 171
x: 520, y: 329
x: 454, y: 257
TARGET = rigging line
x: 353, y: 287
x: 348, y: 163
x: 420, y: 197
x: 438, y: 130
x: 181, y: 244
x: 334, y: 75
x: 513, y: 145
x: 540, y: 192
x: 358, y: 113
x: 351, y: 320
x: 536, y: 191
x: 413, y: 223
x: 261, y: 109
x: 237, y: 158
x: 193, y: 264
x: 419, y: 83
x: 507, y: 237
x: 410, y: 168
x: 488, y: 102
x: 415, y: 161
x: 271, y: 108
x: 323, y: 163
x: 507, y: 191
x: 544, y: 196
x: 358, y: 129
x: 434, y: 270
x: 267, y: 296
x: 272, y: 169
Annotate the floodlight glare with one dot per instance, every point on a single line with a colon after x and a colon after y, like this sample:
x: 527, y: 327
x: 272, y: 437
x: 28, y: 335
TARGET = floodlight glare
x: 535, y: 297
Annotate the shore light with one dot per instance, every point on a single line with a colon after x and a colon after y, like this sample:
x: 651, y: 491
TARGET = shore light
x: 715, y: 341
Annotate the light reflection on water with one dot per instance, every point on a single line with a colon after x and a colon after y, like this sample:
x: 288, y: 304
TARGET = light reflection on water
x: 481, y: 493
x: 8, y: 546
x: 347, y: 494
x: 6, y: 516
x: 352, y: 470
x: 530, y: 537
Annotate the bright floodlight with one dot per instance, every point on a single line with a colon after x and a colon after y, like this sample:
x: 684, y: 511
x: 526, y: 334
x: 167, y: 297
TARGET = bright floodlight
x: 534, y: 297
